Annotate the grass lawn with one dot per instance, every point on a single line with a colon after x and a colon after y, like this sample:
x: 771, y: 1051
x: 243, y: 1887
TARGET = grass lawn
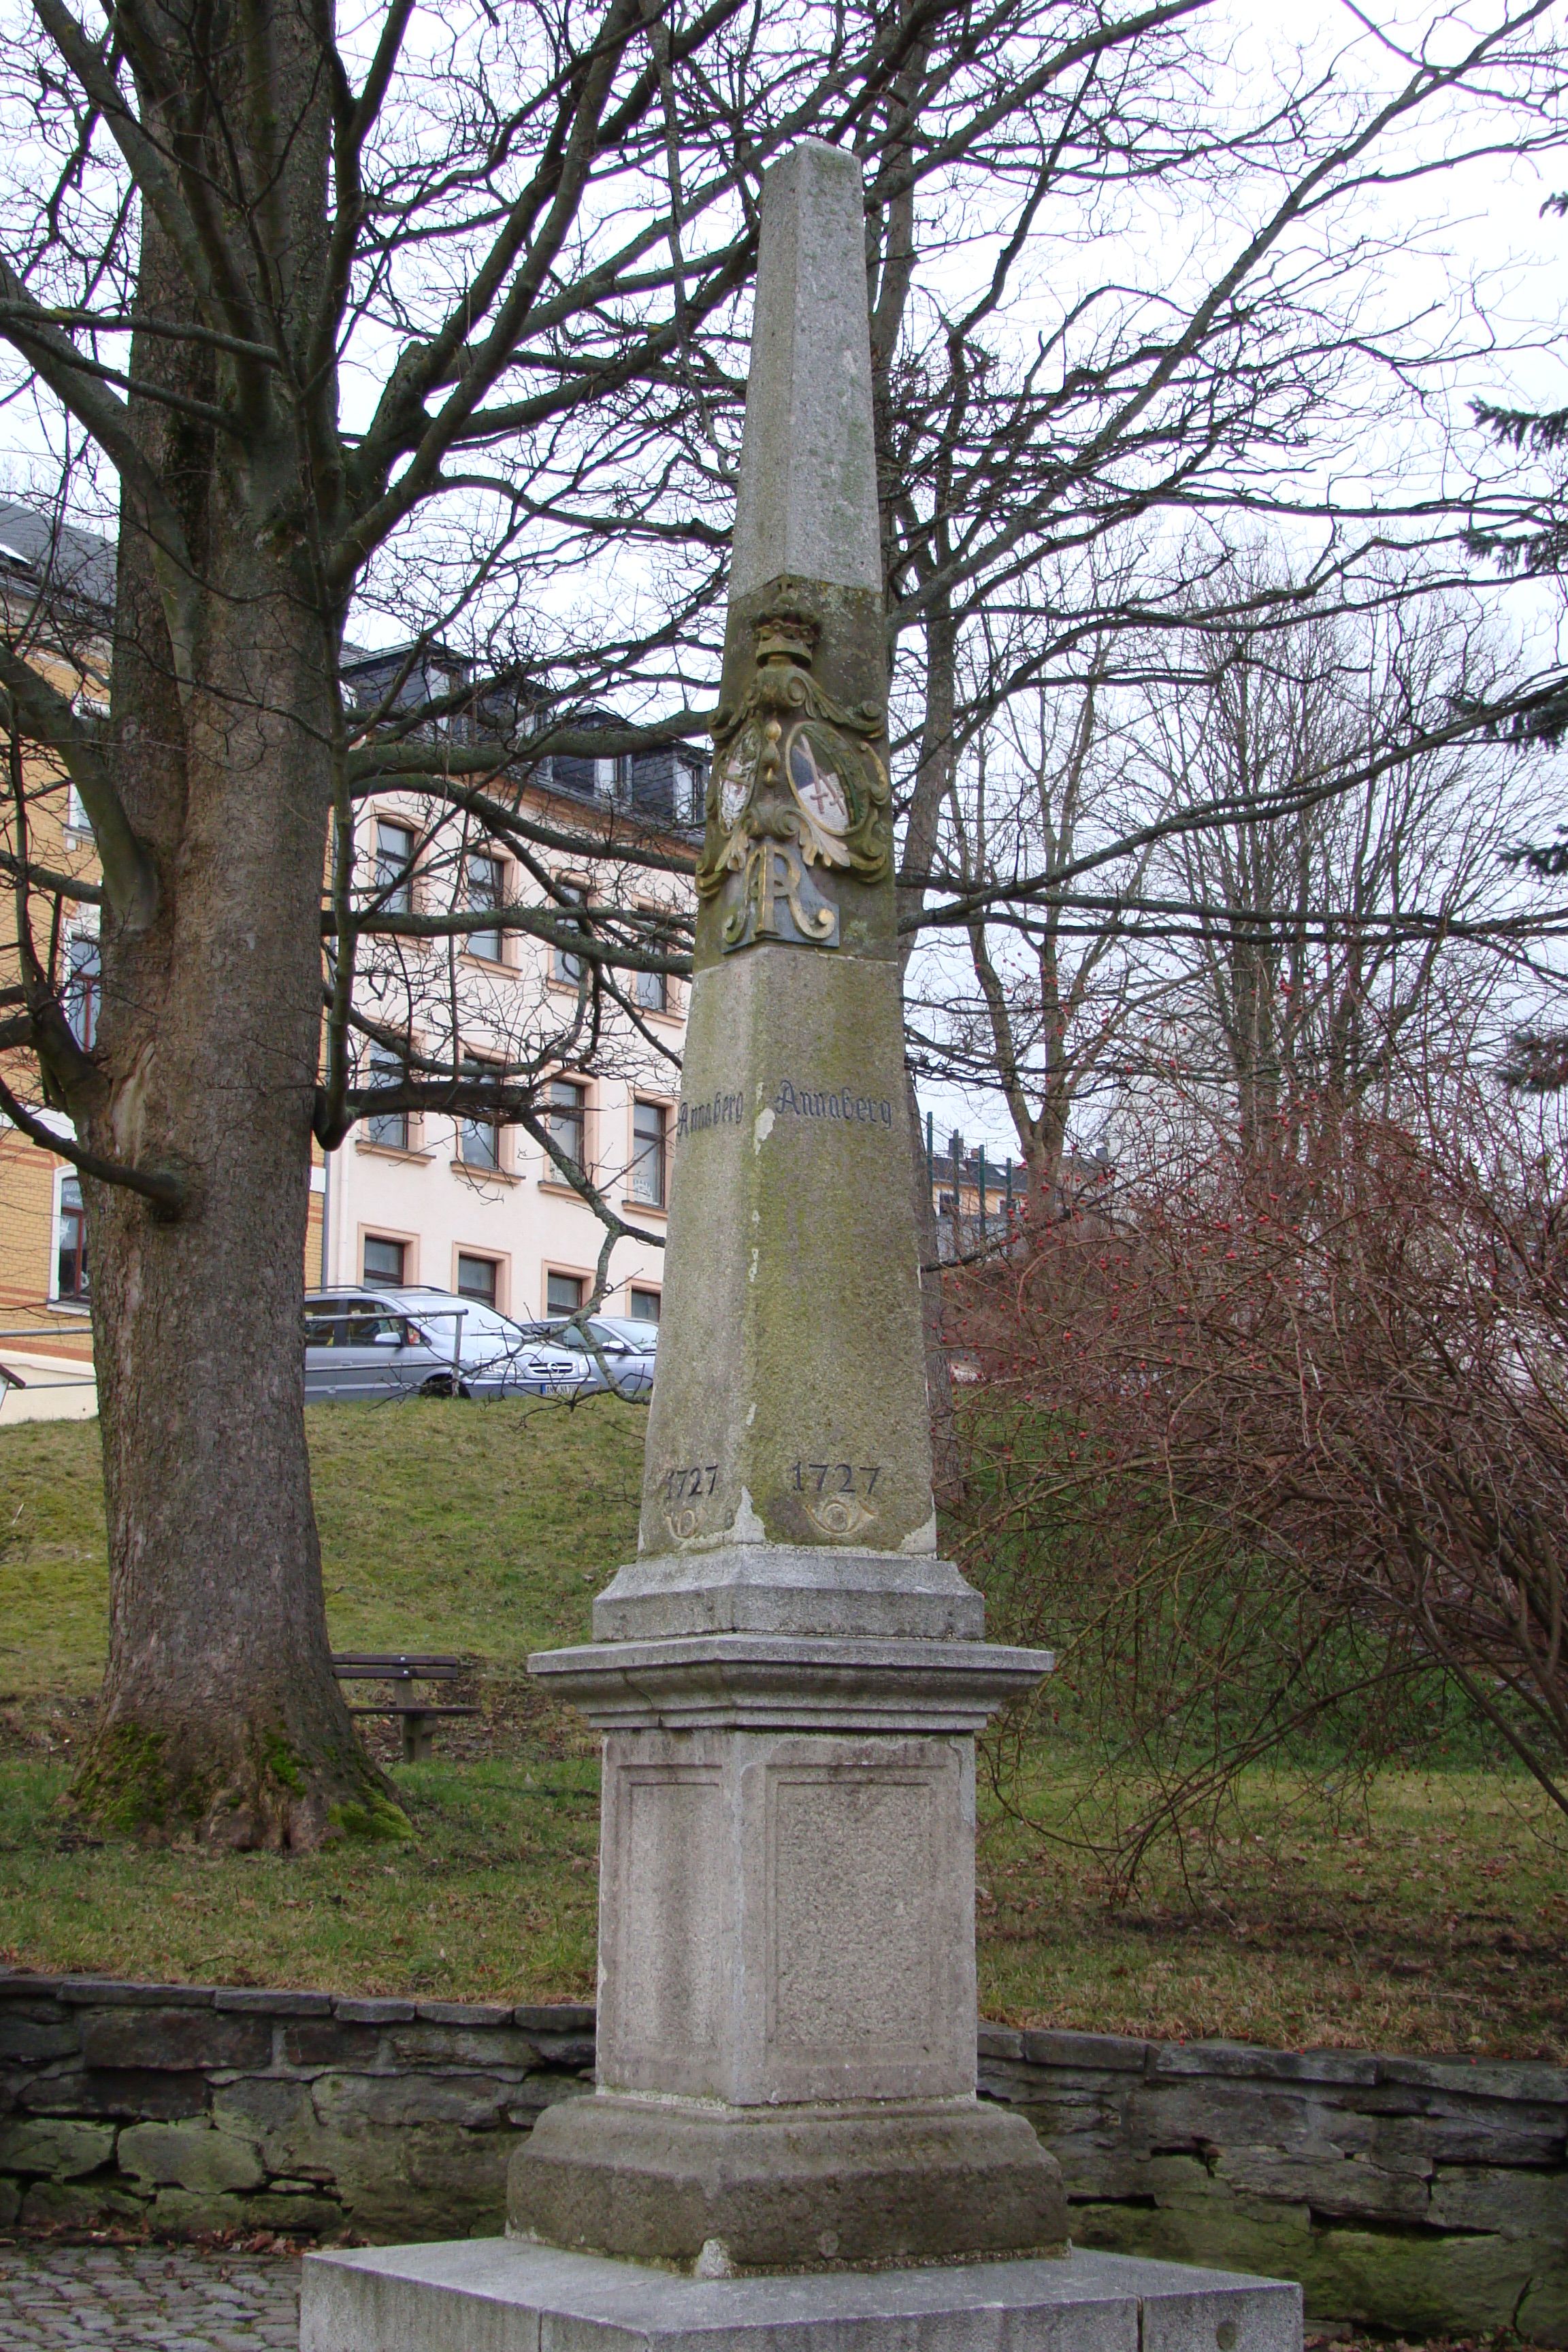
x: 1425, y: 1913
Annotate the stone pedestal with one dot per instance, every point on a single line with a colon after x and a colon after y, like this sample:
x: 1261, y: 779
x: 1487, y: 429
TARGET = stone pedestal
x: 787, y: 1938
x: 494, y: 2295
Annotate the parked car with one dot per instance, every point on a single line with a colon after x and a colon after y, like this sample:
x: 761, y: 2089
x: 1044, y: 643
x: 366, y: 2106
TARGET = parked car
x: 362, y: 1343
x: 613, y: 1350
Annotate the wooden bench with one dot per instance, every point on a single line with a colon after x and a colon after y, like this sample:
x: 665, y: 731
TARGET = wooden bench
x: 417, y: 1715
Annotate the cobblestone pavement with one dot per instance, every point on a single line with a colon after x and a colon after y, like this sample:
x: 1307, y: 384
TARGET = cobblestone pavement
x: 163, y: 2298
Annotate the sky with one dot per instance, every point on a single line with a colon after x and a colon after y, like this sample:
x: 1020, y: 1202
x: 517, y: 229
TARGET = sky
x: 1469, y: 243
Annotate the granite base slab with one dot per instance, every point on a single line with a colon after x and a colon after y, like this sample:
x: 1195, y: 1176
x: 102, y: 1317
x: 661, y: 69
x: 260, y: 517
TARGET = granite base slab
x: 504, y: 2294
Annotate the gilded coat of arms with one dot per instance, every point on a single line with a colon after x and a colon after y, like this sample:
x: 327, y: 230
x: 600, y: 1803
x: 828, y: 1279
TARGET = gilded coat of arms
x: 796, y: 784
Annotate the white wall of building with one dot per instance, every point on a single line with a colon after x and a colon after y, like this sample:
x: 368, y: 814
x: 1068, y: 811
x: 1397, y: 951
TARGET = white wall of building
x: 427, y: 1196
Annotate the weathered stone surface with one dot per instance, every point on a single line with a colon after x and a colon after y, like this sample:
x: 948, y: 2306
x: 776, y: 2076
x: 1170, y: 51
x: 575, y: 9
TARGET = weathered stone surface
x: 465, y: 2012
x: 775, y: 1682
x: 173, y: 2039
x: 179, y: 2212
x: 791, y: 2187
x: 1099, y: 2052
x: 64, y: 2149
x: 1516, y: 2204
x: 117, y: 1992
x: 331, y: 2042
x: 503, y: 2297
x: 1495, y: 2162
x: 497, y: 2045
x: 1526, y: 2079
x: 128, y: 2091
x: 194, y: 2155
x: 31, y: 2030
x: 787, y: 1918
x: 570, y: 2020
x: 808, y: 496
x: 1245, y: 2062
x: 470, y: 2100
x: 1338, y: 2186
x: 781, y: 1588
x: 537, y: 2091
x: 566, y: 2050
x: 373, y: 2012
x: 262, y: 2000
x: 81, y: 2204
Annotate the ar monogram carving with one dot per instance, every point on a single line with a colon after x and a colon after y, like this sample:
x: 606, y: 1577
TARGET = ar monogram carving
x: 796, y: 782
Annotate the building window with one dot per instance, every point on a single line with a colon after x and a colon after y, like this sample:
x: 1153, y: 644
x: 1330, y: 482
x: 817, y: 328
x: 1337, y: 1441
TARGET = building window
x: 612, y: 779
x: 76, y: 809
x: 564, y: 1293
x: 645, y: 1306
x: 690, y: 790
x: 70, y: 1269
x: 476, y: 1278
x: 389, y: 1127
x: 651, y: 990
x: 650, y: 1122
x: 394, y: 867
x: 84, y: 988
x: 568, y: 1125
x: 566, y: 968
x: 384, y: 1262
x: 478, y: 1140
x: 484, y: 889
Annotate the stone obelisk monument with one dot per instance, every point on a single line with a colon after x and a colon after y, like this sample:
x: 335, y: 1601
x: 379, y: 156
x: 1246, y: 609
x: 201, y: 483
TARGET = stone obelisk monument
x: 785, y: 2152
x: 789, y: 1678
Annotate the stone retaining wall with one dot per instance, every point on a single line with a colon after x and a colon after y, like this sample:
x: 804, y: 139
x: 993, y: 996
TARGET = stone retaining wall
x: 1414, y: 2194
x: 1406, y: 2193
x: 187, y: 2108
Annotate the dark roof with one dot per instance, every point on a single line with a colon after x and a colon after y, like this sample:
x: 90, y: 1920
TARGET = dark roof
x: 37, y: 546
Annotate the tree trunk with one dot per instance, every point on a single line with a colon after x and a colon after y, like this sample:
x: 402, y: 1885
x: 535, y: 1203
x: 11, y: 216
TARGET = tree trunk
x: 220, y: 1715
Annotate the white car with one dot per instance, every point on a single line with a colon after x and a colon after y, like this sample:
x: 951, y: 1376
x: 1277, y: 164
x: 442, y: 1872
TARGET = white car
x: 364, y: 1344
x: 611, y: 1351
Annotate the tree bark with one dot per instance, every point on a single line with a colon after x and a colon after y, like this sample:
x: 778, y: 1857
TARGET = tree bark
x: 220, y: 1715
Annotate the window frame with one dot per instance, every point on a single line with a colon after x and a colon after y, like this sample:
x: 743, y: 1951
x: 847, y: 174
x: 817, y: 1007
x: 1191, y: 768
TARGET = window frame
x: 576, y: 1115
x: 496, y: 1300
x: 566, y: 970
x: 642, y: 1153
x: 74, y: 1215
x: 379, y: 1058
x: 465, y: 1123
x: 399, y: 896
x: 402, y: 1244
x: 566, y: 1273
x: 470, y: 941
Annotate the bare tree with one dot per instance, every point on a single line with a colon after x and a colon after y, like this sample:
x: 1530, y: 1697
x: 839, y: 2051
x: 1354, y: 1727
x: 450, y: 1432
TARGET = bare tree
x: 424, y: 320
x: 1054, y: 994
x: 441, y: 321
x: 1323, y: 927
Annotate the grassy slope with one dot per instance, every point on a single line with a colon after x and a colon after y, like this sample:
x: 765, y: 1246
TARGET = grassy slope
x: 476, y: 1527
x: 1434, y: 1917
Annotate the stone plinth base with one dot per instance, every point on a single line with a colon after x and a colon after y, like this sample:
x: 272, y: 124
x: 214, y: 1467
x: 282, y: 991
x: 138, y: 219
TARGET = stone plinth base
x: 797, y: 2188
x: 497, y: 2295
x: 792, y: 1589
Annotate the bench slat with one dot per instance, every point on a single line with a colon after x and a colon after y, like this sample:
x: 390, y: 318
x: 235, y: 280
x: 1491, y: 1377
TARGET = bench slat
x: 412, y: 1707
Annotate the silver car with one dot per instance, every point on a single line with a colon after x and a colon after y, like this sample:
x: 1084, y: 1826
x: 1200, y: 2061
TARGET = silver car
x: 611, y: 1351
x: 370, y: 1344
